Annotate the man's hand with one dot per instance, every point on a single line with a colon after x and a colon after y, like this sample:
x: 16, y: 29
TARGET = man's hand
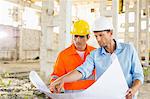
x: 56, y: 86
x: 130, y: 93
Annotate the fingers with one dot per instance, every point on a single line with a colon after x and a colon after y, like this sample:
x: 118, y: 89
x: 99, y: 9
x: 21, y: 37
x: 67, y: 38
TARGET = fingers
x: 52, y: 89
x: 128, y: 97
x: 56, y: 87
x: 129, y: 94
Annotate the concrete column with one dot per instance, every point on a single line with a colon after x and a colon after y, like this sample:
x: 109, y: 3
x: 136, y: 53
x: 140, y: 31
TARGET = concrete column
x: 47, y: 31
x: 134, y: 35
x: 65, y: 23
x: 102, y: 7
x: 126, y: 35
x: 147, y: 31
x: 137, y: 25
x: 115, y: 7
x: 48, y: 22
x: 68, y: 22
x: 20, y: 29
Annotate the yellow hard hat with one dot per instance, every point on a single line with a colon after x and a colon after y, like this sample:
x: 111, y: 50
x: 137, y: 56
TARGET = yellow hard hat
x: 80, y: 27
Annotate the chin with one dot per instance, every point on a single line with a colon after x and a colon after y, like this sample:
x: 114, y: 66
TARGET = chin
x: 101, y: 45
x: 79, y: 47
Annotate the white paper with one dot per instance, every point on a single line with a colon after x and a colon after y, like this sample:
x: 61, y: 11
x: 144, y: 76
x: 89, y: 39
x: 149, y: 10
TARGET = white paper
x: 37, y: 82
x: 111, y: 85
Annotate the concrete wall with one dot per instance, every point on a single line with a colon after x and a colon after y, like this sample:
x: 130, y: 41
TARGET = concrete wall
x: 10, y: 43
x: 30, y: 44
x: 7, y: 42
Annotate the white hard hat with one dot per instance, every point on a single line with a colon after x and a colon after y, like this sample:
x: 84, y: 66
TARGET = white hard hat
x: 102, y: 23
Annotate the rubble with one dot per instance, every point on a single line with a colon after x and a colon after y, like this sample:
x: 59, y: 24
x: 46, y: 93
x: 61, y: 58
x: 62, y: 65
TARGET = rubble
x: 18, y: 88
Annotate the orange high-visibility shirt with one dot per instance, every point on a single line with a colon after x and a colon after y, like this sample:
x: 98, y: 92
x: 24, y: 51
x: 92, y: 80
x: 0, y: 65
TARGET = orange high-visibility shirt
x: 67, y: 61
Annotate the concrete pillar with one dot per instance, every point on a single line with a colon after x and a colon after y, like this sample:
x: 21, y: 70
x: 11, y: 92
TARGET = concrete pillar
x: 133, y: 36
x: 147, y: 9
x: 148, y: 33
x: 20, y: 29
x: 137, y: 25
x: 115, y: 7
x: 48, y: 22
x: 65, y: 23
x: 47, y: 31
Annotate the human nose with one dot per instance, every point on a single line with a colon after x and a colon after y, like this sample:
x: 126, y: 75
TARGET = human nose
x: 98, y: 38
x: 78, y: 38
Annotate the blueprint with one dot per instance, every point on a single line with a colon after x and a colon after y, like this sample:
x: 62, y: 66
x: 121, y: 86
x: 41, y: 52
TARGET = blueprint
x: 111, y: 85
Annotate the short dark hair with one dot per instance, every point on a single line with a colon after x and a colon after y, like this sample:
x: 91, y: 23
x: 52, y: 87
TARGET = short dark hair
x: 104, y: 31
x: 87, y: 35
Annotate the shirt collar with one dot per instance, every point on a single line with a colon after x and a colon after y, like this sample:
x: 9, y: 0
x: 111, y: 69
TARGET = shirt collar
x: 118, y: 47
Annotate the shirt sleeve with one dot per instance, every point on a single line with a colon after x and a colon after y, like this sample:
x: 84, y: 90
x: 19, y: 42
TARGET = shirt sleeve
x: 136, y: 67
x: 87, y: 67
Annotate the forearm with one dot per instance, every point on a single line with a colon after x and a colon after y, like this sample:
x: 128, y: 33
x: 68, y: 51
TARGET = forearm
x: 136, y: 85
x: 131, y: 91
x: 72, y: 76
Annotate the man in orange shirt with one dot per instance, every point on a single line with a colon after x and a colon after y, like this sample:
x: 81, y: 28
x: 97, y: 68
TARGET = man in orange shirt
x: 74, y: 56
